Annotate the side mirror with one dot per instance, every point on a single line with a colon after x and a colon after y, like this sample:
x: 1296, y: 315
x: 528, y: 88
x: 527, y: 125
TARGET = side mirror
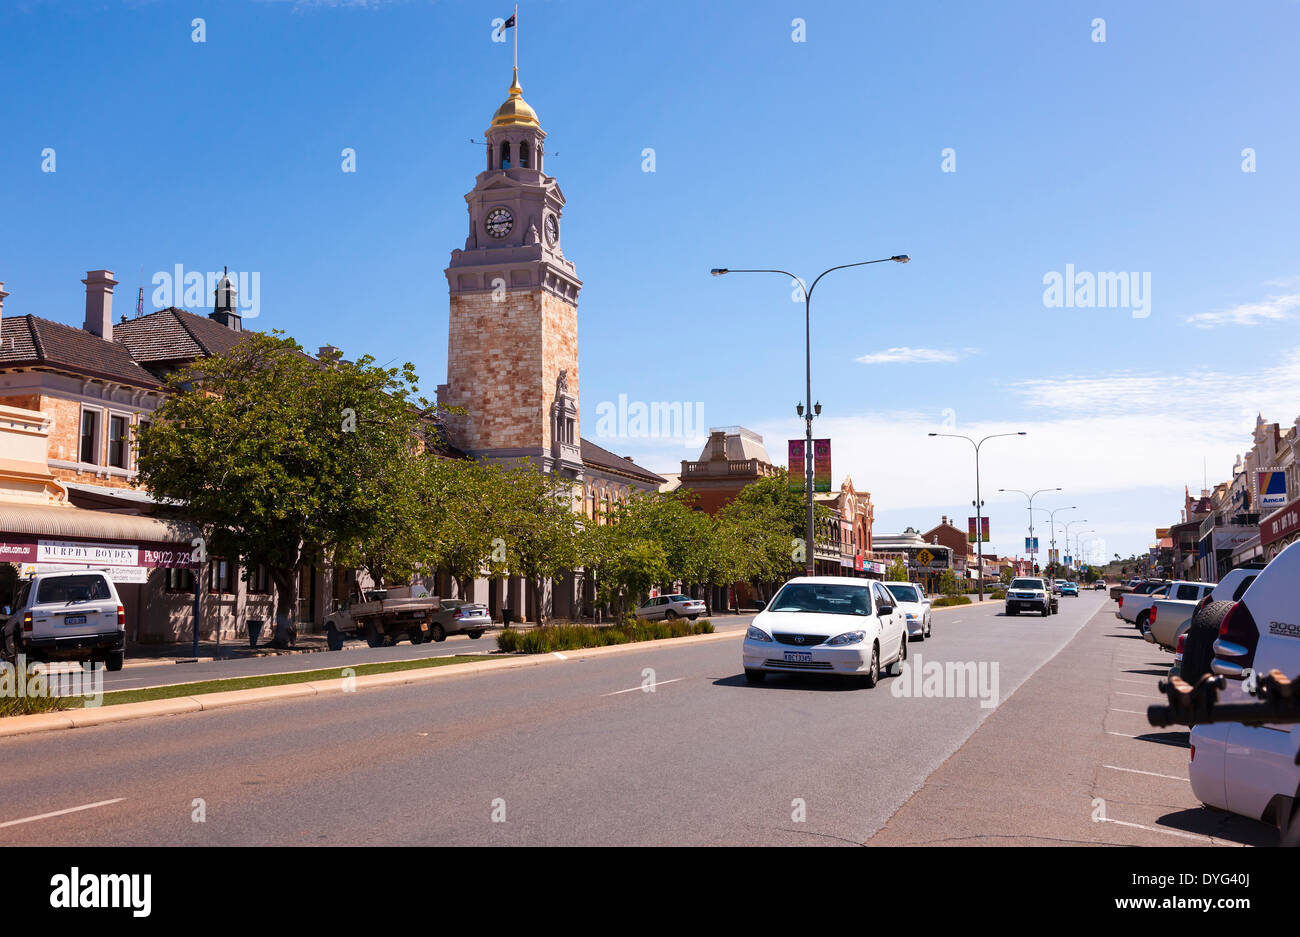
x: 884, y: 609
x: 760, y: 604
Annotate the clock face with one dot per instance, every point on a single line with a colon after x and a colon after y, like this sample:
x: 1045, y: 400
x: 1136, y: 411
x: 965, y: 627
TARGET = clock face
x: 499, y: 222
x: 552, y: 229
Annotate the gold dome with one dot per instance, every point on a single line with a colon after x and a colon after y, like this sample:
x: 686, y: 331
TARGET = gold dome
x: 516, y: 109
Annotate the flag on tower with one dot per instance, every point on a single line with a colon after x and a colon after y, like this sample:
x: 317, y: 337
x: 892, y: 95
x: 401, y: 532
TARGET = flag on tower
x: 510, y: 22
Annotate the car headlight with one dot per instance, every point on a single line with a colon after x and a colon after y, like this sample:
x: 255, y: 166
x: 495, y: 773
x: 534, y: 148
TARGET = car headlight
x: 757, y: 634
x: 848, y: 637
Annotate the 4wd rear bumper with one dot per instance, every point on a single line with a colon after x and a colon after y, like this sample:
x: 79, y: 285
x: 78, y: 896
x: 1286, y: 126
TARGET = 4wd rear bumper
x: 70, y: 644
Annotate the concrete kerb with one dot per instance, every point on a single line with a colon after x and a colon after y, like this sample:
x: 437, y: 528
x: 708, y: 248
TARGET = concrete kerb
x: 80, y: 718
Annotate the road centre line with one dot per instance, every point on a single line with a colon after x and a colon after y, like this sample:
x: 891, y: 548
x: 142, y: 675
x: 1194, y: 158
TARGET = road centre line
x: 59, y: 813
x: 645, y: 689
x: 1172, y: 777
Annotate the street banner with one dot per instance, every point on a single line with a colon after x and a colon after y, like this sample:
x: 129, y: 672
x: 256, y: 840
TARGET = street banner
x: 1069, y: 560
x: 1053, y: 556
x: 1272, y: 490
x: 797, y: 470
x: 970, y: 530
x: 821, y: 465
x: 1031, y: 545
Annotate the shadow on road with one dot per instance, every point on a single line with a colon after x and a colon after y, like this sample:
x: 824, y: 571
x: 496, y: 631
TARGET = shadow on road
x: 1221, y: 825
x: 1177, y: 739
x: 794, y: 681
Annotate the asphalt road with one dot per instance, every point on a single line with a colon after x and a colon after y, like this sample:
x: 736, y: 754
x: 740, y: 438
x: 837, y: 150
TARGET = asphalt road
x: 572, y: 752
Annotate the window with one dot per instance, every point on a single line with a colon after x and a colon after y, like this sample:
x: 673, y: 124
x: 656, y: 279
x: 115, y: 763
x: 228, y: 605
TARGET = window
x: 90, y: 436
x: 259, y: 581
x: 905, y: 593
x: 824, y: 598
x: 179, y: 580
x: 523, y: 155
x: 69, y: 589
x: 140, y: 429
x: 117, y: 441
x: 505, y: 154
x: 221, y: 577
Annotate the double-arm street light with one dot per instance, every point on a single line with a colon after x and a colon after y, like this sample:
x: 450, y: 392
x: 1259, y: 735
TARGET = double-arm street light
x: 979, y: 505
x: 808, y: 409
x: 1029, y: 547
x: 1077, y: 520
x: 1078, y: 544
x: 1052, y: 521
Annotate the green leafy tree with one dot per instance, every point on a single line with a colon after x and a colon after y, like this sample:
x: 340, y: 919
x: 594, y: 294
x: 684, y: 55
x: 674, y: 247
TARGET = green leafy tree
x: 540, y: 529
x: 282, y: 458
x: 897, y: 571
x: 948, y: 583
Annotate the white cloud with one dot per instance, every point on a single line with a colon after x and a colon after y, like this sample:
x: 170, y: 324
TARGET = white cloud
x: 1273, y: 309
x: 905, y: 355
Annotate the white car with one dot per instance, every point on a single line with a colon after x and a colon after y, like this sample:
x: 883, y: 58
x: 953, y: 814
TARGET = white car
x: 670, y: 607
x: 915, y: 606
x: 70, y: 615
x: 1252, y: 770
x: 827, y: 624
x: 1030, y: 594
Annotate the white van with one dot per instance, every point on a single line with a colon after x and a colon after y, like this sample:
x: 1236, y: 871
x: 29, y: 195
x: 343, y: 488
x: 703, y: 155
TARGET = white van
x: 69, y: 615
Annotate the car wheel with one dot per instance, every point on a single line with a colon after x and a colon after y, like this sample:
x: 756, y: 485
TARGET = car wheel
x: 416, y: 636
x: 1045, y: 612
x: 474, y: 635
x: 437, y: 632
x: 872, y: 676
x: 929, y: 628
x: 1141, y: 623
x: 1198, y: 648
x: 692, y: 617
x: 755, y: 676
x: 920, y: 637
x: 896, y: 668
x: 1013, y: 612
x: 113, y: 660
x: 670, y: 615
x: 375, y: 638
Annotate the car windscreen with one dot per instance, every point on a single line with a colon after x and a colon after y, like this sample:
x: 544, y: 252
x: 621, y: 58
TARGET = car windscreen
x: 1026, y: 584
x: 904, y: 593
x: 826, y: 598
x: 72, y: 589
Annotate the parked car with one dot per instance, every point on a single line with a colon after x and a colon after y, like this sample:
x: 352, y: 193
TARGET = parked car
x: 1030, y: 595
x: 1135, y: 607
x: 1252, y: 770
x: 671, y: 606
x: 827, y: 624
x: 71, y: 615
x: 915, y: 606
x: 382, y: 617
x: 1070, y: 588
x: 1171, y: 613
x: 460, y: 617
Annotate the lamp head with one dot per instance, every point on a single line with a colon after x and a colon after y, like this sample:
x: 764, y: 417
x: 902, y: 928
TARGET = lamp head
x: 900, y: 258
x: 718, y: 271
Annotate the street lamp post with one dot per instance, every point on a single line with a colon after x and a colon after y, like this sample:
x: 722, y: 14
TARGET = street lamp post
x: 979, y: 505
x: 1077, y: 520
x: 1052, y: 521
x: 808, y: 409
x: 1031, y: 510
x: 1078, y: 543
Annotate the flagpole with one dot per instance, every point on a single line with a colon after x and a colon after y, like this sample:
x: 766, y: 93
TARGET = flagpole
x: 516, y: 37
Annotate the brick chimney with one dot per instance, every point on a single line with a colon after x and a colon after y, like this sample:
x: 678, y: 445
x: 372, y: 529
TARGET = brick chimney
x: 99, y: 303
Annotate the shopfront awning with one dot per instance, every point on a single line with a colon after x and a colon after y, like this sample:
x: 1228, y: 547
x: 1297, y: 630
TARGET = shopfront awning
x: 35, y: 533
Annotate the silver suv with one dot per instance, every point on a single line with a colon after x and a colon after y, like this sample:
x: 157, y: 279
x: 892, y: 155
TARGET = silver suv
x: 71, y: 615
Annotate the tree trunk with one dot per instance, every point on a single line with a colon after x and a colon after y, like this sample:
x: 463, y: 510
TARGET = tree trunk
x: 286, y: 603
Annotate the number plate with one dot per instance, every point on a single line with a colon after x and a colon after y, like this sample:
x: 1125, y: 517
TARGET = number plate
x: 74, y: 620
x: 799, y: 657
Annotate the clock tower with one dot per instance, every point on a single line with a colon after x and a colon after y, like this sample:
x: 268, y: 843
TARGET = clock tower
x: 512, y: 344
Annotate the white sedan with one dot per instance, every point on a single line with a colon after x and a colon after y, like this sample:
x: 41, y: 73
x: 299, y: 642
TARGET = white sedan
x: 915, y: 607
x: 827, y: 624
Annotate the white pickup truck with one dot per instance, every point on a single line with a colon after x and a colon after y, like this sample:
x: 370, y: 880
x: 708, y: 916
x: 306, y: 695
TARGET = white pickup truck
x: 380, y: 618
x: 1135, y: 607
x: 1170, y: 614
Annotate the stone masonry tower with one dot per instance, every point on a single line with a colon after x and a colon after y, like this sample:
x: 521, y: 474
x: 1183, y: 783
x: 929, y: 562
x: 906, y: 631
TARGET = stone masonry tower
x: 512, y: 345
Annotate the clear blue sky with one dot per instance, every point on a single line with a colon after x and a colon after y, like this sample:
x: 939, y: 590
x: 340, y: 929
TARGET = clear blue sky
x: 1117, y: 156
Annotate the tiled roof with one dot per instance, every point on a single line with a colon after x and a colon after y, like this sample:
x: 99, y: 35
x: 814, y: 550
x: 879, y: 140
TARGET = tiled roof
x: 594, y: 455
x: 29, y: 341
x: 172, y: 334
